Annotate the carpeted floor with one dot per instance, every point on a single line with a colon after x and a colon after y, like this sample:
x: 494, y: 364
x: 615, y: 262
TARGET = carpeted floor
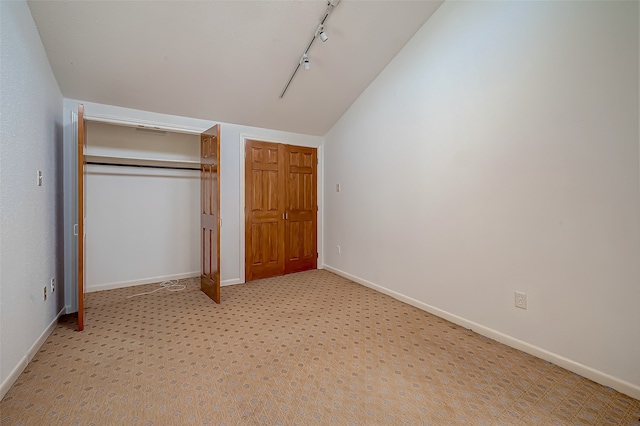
x: 308, y: 348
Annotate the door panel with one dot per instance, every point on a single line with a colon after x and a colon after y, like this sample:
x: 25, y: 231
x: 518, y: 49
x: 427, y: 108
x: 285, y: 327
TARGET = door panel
x: 82, y: 143
x: 264, y: 245
x: 264, y: 210
x: 210, y: 206
x: 301, y: 194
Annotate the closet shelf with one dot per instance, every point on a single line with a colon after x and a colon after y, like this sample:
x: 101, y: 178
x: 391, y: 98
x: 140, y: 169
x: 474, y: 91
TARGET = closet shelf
x: 141, y: 162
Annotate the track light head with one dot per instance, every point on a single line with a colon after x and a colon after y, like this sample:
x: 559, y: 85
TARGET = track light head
x: 304, y: 60
x: 320, y: 33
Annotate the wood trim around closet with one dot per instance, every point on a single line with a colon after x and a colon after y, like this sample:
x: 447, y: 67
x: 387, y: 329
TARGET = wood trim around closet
x: 82, y: 141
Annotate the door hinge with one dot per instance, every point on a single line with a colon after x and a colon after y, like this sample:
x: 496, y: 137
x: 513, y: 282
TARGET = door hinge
x: 317, y: 255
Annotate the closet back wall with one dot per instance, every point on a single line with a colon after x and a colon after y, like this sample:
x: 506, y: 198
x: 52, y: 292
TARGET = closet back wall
x: 142, y: 224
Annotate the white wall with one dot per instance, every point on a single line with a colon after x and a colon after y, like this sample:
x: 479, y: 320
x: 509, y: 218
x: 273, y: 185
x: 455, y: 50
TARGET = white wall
x: 31, y: 239
x: 232, y: 180
x: 143, y: 225
x: 499, y: 152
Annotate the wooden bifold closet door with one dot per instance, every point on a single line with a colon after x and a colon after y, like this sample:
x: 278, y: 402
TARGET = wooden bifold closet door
x: 210, y: 207
x: 280, y: 209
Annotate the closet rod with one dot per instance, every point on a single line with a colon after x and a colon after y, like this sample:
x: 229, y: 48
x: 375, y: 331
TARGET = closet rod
x: 97, y: 163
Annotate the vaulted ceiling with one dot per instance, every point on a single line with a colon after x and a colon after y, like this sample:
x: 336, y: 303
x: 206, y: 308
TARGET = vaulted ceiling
x: 225, y: 60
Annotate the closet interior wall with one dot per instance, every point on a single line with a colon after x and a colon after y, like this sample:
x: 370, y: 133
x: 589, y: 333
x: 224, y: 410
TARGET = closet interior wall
x: 142, y: 223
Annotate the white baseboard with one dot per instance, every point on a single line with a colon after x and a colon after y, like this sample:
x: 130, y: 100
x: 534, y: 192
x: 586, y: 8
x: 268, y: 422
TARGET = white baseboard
x: 620, y: 385
x: 121, y: 284
x: 232, y: 281
x: 111, y: 286
x: 33, y: 350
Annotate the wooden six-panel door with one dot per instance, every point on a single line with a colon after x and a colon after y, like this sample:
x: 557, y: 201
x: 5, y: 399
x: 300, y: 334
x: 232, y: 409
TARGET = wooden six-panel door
x: 264, y: 210
x: 210, y: 207
x: 301, y: 213
x: 280, y: 209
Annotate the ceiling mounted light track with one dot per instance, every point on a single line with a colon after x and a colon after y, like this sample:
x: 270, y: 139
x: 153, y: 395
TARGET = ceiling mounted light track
x: 304, y: 59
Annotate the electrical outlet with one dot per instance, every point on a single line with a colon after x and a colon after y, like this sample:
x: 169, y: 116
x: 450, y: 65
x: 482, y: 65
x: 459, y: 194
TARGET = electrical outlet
x: 53, y: 285
x: 520, y: 300
x: 44, y: 297
x: 337, y: 187
x: 339, y: 249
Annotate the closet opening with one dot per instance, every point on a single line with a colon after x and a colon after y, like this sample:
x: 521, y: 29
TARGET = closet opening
x: 150, y: 200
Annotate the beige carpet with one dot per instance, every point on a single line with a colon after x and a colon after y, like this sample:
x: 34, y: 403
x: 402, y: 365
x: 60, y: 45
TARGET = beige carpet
x: 308, y: 348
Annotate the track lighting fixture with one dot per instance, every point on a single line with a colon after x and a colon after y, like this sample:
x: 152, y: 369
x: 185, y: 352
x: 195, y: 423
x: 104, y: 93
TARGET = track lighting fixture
x: 320, y: 33
x: 304, y: 59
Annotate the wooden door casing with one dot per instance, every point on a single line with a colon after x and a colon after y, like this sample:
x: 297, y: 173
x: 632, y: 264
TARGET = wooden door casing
x: 82, y: 141
x: 264, y: 210
x: 280, y: 209
x: 210, y: 208
x: 301, y: 215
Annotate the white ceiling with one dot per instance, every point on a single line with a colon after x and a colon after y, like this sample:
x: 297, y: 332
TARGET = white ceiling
x: 225, y: 60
